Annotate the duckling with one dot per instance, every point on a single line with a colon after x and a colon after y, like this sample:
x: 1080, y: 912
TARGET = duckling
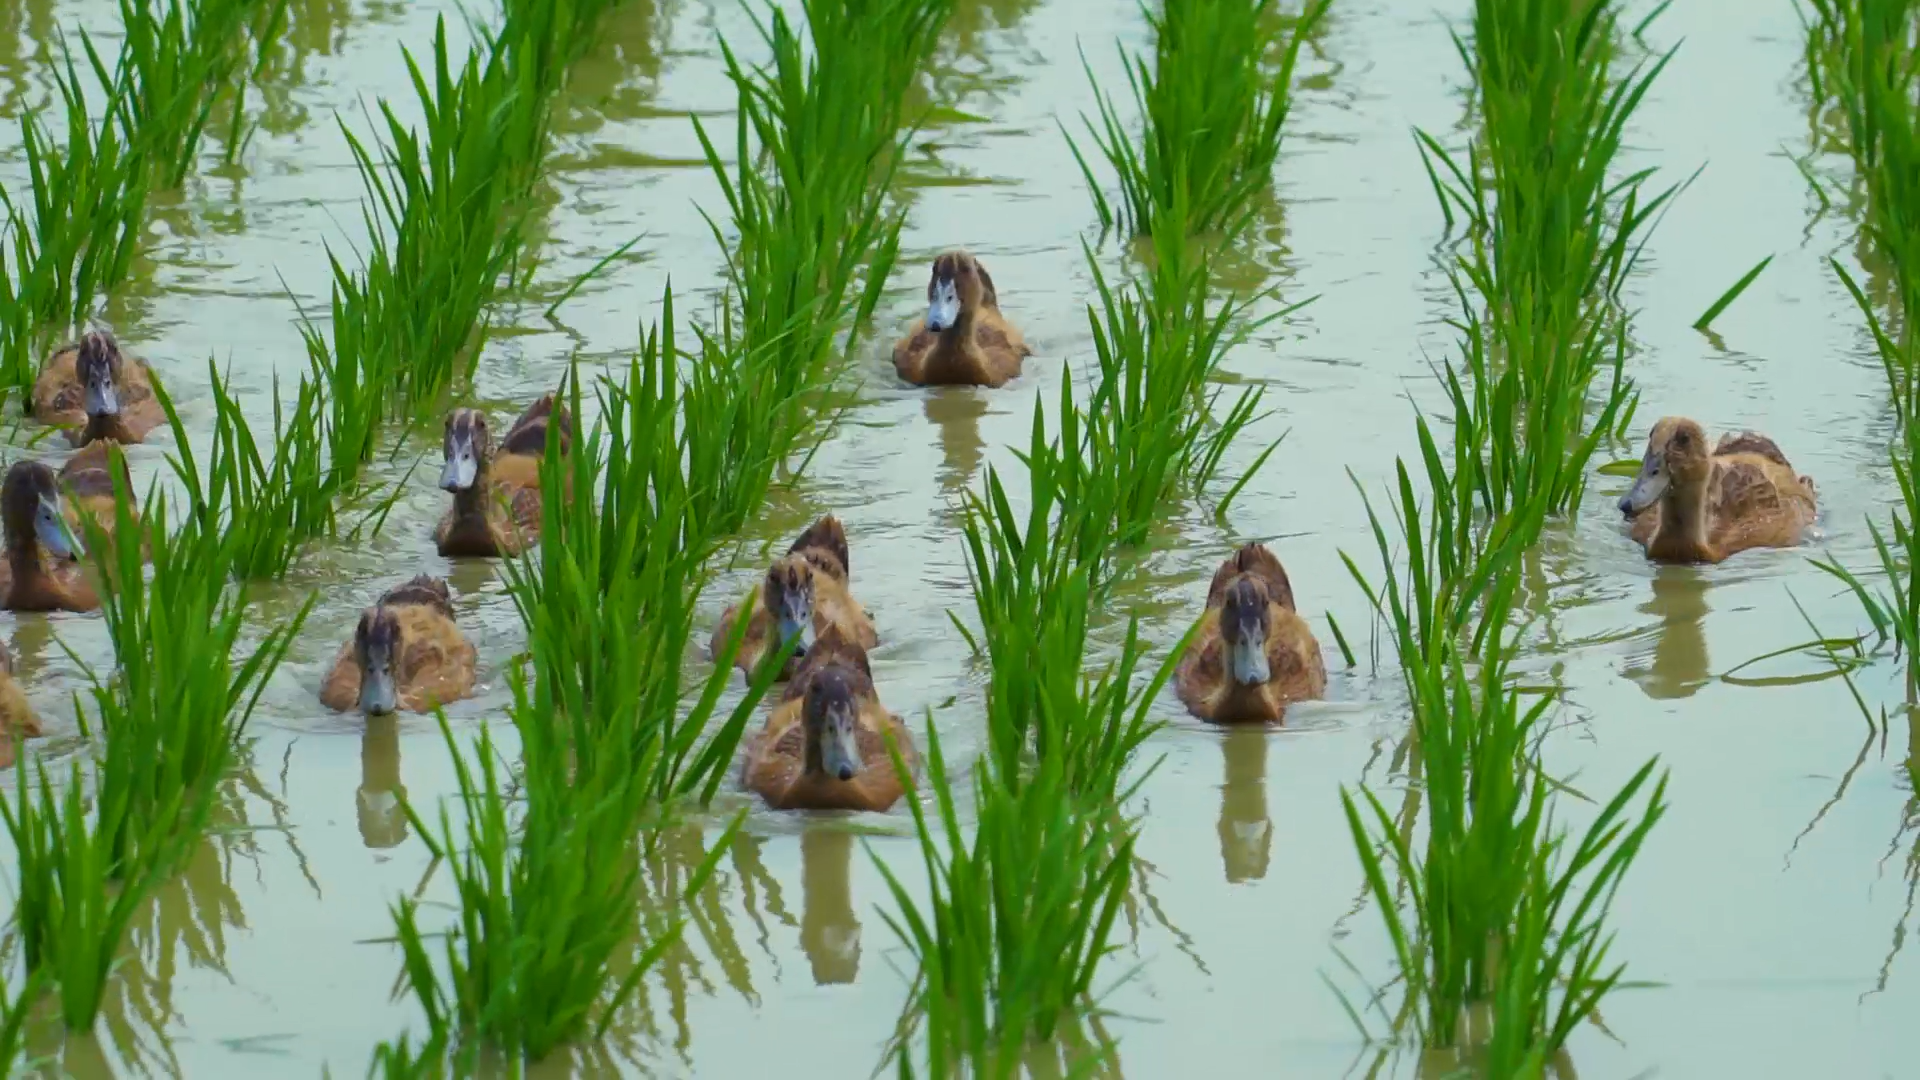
x: 16, y: 716
x: 496, y: 498
x: 1689, y: 506
x: 1253, y: 654
x: 963, y: 340
x: 41, y: 572
x: 823, y: 747
x: 93, y: 389
x: 805, y: 593
x: 406, y: 653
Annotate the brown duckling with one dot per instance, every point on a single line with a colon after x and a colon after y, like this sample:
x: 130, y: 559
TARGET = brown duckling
x: 496, y: 496
x: 91, y: 388
x: 962, y: 340
x: 805, y: 594
x: 88, y: 482
x: 41, y: 571
x: 1253, y: 654
x: 16, y: 716
x: 406, y: 653
x: 824, y: 746
x: 1691, y: 506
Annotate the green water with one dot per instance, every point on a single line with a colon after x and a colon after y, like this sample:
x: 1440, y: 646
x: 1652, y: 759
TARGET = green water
x: 1772, y: 902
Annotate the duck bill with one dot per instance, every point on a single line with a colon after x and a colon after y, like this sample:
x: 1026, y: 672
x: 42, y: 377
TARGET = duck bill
x: 841, y: 754
x: 795, y: 624
x: 377, y: 694
x: 944, y: 310
x: 102, y: 398
x: 1647, y: 488
x: 50, y: 527
x: 462, y: 465
x: 1247, y: 657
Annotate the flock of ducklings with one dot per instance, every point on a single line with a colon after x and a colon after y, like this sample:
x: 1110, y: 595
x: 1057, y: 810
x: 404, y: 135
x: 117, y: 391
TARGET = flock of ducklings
x: 824, y: 743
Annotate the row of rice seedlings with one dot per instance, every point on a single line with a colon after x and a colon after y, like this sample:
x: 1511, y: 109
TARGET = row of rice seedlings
x: 1864, y: 54
x: 1553, y: 235
x: 177, y: 62
x: 168, y: 714
x: 1213, y: 106
x: 819, y: 138
x: 1503, y: 949
x: 549, y: 896
x: 72, y: 239
x: 1019, y: 921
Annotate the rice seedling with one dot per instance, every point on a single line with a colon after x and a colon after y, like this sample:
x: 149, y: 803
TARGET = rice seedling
x: 1867, y: 54
x: 817, y: 144
x: 181, y: 693
x: 1213, y: 112
x: 13, y: 1016
x: 72, y: 236
x: 177, y: 61
x: 609, y: 601
x: 1554, y: 234
x: 74, y: 897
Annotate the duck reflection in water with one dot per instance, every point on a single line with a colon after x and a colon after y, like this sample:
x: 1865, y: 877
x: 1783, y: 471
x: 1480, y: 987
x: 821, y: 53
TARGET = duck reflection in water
x: 378, y: 801
x: 957, y: 412
x: 1246, y: 830
x: 828, y: 930
x: 1678, y: 665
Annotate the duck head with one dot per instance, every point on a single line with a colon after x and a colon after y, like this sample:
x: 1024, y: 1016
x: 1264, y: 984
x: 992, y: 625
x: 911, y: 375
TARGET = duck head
x: 1243, y: 626
x: 98, y: 367
x: 376, y: 647
x: 1677, y: 456
x: 954, y: 288
x: 788, y: 596
x: 829, y: 717
x: 468, y: 447
x: 31, y: 511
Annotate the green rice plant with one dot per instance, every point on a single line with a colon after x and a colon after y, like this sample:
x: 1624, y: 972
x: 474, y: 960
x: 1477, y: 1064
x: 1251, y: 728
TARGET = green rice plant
x: 1507, y: 910
x: 270, y: 504
x: 1213, y: 109
x: 608, y: 600
x: 1152, y: 425
x: 177, y: 61
x: 72, y: 236
x: 181, y: 691
x: 74, y: 899
x: 13, y: 1015
x: 1553, y: 232
x: 444, y: 210
x: 1020, y: 917
x: 818, y: 140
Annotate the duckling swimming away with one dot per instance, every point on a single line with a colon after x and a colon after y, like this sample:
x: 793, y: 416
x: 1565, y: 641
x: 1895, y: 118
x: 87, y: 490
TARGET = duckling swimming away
x: 1253, y: 654
x: 91, y: 388
x: 41, y: 571
x: 962, y: 340
x: 16, y: 716
x: 406, y: 653
x: 823, y: 747
x: 1689, y: 506
x: 496, y: 497
x: 805, y: 594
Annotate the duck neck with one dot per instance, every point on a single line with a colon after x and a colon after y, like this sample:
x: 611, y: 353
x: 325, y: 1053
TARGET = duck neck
x: 813, y: 760
x: 23, y: 558
x: 104, y: 426
x: 955, y: 339
x: 1683, y: 520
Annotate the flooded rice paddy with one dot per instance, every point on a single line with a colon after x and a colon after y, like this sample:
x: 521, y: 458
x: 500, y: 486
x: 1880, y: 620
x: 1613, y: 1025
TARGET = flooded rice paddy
x: 1771, y: 905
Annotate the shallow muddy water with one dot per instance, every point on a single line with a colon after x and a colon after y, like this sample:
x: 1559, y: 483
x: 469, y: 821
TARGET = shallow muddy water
x: 1771, y: 905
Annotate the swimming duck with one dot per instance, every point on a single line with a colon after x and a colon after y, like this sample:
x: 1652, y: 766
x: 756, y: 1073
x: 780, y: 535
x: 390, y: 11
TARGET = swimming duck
x: 16, y: 716
x: 1253, y: 653
x: 963, y: 340
x: 41, y: 571
x: 88, y: 481
x: 92, y: 389
x: 805, y: 593
x: 823, y: 747
x: 496, y: 497
x: 406, y: 653
x: 1689, y: 506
